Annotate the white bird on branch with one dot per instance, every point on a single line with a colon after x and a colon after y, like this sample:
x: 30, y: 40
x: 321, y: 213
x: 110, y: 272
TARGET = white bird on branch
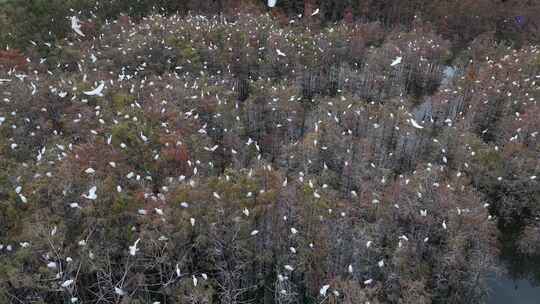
x: 76, y: 26
x: 133, y: 249
x: 211, y: 149
x: 97, y: 91
x: 178, y: 273
x: 67, y: 283
x: 323, y: 290
x: 144, y: 138
x: 415, y: 124
x: 119, y: 291
x: 91, y: 194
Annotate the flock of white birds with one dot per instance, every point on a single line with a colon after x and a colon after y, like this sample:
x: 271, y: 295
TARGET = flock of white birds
x: 94, y: 66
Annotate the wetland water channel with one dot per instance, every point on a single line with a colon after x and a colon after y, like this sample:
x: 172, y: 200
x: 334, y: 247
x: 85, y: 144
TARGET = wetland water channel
x: 519, y: 281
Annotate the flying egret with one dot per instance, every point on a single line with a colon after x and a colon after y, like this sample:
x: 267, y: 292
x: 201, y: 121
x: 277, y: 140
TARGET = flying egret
x: 67, y: 283
x: 396, y: 61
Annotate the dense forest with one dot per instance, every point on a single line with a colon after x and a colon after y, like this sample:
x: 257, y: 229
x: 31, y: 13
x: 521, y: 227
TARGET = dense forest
x: 228, y: 152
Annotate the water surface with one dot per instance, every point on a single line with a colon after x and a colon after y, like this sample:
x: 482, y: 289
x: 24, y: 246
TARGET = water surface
x: 505, y: 290
x: 520, y: 282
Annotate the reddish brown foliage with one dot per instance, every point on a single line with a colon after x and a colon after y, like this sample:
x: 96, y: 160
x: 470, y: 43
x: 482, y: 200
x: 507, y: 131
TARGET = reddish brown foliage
x: 348, y: 17
x: 12, y: 59
x: 89, y: 28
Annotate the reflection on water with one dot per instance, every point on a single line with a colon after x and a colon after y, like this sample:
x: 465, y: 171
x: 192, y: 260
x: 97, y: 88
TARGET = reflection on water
x: 520, y: 284
x: 505, y: 290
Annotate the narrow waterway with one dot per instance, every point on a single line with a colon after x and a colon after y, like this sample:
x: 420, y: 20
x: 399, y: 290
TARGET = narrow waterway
x: 519, y: 282
x: 519, y: 279
x: 506, y: 290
